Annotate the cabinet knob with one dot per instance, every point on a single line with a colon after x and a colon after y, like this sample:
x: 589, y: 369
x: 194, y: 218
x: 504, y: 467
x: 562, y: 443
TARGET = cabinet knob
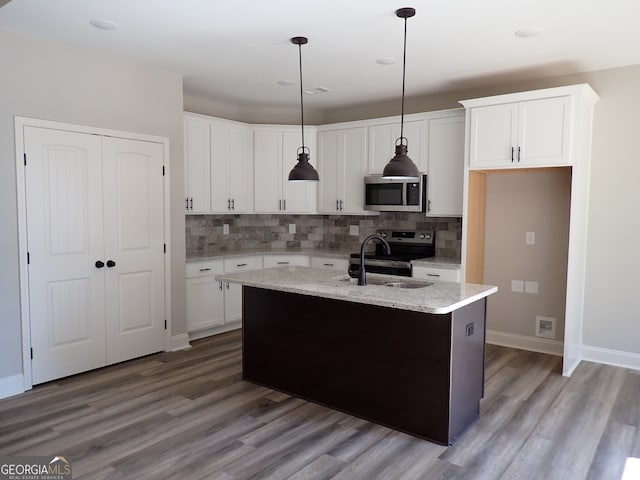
x: 111, y: 263
x: 99, y: 264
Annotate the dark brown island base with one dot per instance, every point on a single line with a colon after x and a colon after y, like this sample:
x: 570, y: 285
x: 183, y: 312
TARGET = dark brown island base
x: 414, y: 371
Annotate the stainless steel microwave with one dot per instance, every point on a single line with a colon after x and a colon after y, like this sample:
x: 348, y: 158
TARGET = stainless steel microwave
x: 391, y: 195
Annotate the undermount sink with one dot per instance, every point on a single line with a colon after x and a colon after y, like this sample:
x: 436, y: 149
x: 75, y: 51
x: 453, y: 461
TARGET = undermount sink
x: 386, y: 282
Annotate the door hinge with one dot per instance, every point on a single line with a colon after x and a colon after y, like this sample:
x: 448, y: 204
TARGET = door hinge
x: 163, y: 170
x: 165, y: 248
x: 25, y: 159
x: 31, y: 353
x: 165, y: 324
x: 28, y: 258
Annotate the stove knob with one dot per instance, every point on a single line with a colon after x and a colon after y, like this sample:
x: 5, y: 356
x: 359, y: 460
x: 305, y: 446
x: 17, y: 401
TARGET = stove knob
x: 422, y: 236
x: 383, y: 235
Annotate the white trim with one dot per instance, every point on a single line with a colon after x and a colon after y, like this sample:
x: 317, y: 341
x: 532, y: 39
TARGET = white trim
x: 617, y: 358
x: 10, y: 386
x: 534, y: 344
x: 179, y: 342
x: 207, y: 332
x: 19, y: 124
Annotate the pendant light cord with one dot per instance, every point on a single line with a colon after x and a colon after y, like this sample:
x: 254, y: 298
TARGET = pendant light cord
x: 404, y: 63
x: 301, y: 105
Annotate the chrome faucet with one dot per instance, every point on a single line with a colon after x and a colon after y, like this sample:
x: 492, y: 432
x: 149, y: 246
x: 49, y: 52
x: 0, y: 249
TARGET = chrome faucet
x: 362, y: 279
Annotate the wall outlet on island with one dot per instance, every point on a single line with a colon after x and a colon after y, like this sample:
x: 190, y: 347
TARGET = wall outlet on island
x: 225, y: 229
x: 545, y: 327
x: 354, y: 230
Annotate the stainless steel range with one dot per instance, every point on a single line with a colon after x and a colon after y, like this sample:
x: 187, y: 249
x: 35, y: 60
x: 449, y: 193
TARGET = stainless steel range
x: 405, y: 246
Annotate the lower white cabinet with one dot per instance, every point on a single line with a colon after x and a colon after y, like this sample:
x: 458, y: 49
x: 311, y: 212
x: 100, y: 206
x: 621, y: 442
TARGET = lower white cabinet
x: 212, y: 304
x: 271, y: 261
x: 332, y: 263
x: 436, y: 273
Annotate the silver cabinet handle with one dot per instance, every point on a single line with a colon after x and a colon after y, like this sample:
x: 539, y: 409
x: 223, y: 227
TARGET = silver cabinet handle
x: 518, y: 154
x: 328, y: 264
x: 512, y: 150
x: 428, y: 205
x: 240, y: 265
x: 205, y: 269
x: 337, y: 204
x: 233, y: 204
x: 280, y: 204
x: 228, y: 204
x: 227, y: 285
x: 433, y: 274
x: 284, y: 204
x: 341, y: 205
x: 186, y: 203
x: 220, y: 286
x: 191, y: 203
x: 283, y: 263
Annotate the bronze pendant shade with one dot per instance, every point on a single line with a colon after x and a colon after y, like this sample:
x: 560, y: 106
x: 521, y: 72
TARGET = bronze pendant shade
x: 303, y: 171
x: 401, y: 166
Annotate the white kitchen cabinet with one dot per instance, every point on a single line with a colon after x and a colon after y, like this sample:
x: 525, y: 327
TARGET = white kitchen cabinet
x: 382, y: 144
x: 271, y: 261
x: 332, y: 263
x: 218, y: 166
x: 197, y: 145
x: 532, y: 133
x: 437, y: 273
x: 275, y: 154
x: 205, y: 295
x: 231, y: 168
x: 233, y: 291
x: 445, y: 178
x: 342, y: 165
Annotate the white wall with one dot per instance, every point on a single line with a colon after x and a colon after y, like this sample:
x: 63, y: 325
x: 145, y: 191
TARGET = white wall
x: 42, y: 80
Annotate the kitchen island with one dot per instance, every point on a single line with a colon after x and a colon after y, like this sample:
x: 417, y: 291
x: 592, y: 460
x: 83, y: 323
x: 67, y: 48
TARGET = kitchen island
x: 408, y: 358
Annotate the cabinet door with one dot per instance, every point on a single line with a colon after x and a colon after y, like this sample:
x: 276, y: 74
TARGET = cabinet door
x: 543, y: 135
x: 197, y: 165
x: 446, y: 166
x: 297, y: 197
x: 220, y: 167
x: 435, y: 273
x: 232, y: 302
x: 330, y: 263
x: 271, y: 261
x: 353, y: 168
x: 240, y: 171
x: 268, y: 171
x: 205, y: 303
x: 493, y: 136
x: 329, y: 157
x: 382, y: 144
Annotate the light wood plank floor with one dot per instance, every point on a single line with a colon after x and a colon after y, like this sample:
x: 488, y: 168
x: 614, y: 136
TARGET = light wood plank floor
x: 187, y: 415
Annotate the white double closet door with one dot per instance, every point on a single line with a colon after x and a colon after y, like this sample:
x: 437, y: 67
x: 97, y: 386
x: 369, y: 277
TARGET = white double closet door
x: 95, y: 228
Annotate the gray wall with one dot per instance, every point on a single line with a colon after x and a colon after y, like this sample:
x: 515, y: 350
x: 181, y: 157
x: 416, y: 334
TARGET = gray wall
x: 533, y: 201
x: 46, y: 81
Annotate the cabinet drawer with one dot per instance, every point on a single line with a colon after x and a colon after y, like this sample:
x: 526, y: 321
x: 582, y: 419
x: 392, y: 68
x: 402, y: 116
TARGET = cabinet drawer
x: 330, y: 262
x: 240, y: 264
x: 434, y: 273
x: 271, y: 261
x: 199, y: 269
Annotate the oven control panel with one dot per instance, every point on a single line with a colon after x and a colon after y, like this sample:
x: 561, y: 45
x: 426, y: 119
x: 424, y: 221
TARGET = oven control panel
x: 421, y: 237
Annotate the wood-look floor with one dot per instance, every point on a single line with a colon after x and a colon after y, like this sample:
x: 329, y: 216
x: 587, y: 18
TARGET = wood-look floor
x: 187, y: 415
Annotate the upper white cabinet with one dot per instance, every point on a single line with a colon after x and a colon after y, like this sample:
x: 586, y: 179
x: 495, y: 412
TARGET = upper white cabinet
x: 342, y: 165
x: 382, y: 143
x: 218, y: 167
x: 275, y: 154
x: 231, y: 172
x: 531, y: 133
x: 445, y: 155
x: 197, y: 144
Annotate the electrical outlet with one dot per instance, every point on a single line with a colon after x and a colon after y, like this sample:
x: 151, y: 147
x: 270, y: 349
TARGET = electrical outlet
x: 545, y: 327
x: 354, y: 230
x: 517, y: 286
x: 292, y: 228
x: 530, y: 238
x: 531, y: 287
x: 225, y: 229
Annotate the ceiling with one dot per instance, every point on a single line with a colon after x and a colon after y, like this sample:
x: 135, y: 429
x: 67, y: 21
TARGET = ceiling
x: 236, y: 51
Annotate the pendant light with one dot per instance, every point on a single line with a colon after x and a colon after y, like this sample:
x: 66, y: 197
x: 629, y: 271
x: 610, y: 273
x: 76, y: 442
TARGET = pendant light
x: 302, y: 171
x: 401, y: 166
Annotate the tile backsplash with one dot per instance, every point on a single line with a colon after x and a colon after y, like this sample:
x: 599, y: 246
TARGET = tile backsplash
x: 204, y: 233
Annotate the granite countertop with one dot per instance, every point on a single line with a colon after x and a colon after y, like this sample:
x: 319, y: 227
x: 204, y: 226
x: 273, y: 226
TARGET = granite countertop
x: 439, y: 297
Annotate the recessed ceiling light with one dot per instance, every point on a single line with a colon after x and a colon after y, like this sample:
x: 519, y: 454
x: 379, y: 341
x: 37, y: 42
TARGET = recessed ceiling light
x: 317, y: 90
x: 386, y: 61
x: 103, y: 24
x: 285, y: 83
x: 529, y: 32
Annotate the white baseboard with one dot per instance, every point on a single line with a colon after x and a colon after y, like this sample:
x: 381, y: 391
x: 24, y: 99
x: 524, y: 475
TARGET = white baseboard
x: 616, y: 358
x: 179, y: 342
x: 215, y: 330
x: 534, y: 344
x: 10, y: 386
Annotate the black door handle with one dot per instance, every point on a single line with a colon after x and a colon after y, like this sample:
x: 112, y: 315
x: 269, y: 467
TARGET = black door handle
x: 111, y: 263
x: 99, y: 264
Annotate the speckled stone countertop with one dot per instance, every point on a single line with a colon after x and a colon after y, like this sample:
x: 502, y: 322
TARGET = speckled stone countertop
x: 439, y: 297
